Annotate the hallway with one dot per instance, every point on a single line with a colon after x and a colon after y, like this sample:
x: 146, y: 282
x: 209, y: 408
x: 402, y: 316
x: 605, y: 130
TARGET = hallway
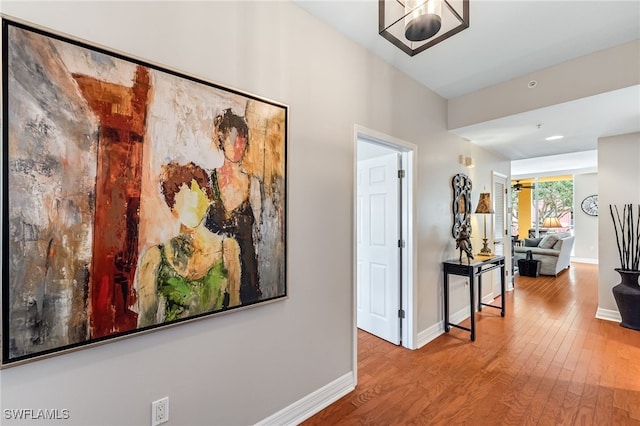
x: 548, y: 362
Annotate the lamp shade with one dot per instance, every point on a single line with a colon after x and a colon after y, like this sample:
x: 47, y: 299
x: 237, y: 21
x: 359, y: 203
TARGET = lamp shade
x: 551, y: 222
x: 484, y: 204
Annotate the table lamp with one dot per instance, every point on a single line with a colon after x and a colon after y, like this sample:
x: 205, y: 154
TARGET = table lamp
x: 484, y: 208
x: 551, y: 222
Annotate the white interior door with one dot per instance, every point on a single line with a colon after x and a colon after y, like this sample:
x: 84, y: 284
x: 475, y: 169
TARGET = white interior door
x: 501, y: 239
x: 378, y: 254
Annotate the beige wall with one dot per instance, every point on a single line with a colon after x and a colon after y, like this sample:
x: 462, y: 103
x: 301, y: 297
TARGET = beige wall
x: 586, y: 227
x: 618, y: 183
x: 244, y: 367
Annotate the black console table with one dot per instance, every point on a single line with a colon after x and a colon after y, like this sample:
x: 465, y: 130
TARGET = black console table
x: 471, y: 269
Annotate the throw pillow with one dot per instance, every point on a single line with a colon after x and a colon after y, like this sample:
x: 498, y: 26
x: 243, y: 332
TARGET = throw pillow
x: 532, y: 242
x: 558, y: 244
x: 548, y: 241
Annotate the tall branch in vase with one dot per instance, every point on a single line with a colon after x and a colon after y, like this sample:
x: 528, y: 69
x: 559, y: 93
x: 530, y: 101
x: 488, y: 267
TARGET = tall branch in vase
x: 627, y: 236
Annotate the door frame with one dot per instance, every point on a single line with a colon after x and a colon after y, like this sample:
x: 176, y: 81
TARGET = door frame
x: 409, y: 262
x: 506, y: 238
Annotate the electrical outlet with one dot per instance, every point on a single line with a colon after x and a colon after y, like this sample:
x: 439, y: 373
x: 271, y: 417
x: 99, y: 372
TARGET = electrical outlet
x: 160, y: 411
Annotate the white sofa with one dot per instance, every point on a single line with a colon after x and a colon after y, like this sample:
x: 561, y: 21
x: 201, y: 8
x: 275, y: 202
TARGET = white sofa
x: 553, y: 251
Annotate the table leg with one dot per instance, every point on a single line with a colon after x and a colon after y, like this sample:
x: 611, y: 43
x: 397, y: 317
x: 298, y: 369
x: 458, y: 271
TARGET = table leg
x: 479, y: 291
x: 472, y: 305
x: 446, y: 300
x: 502, y: 289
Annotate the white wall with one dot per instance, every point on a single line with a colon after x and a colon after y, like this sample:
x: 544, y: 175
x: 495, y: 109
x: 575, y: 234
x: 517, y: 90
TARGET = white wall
x: 618, y: 183
x: 585, y: 248
x: 243, y: 367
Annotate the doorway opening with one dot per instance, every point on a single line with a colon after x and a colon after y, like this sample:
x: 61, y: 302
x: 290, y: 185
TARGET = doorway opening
x: 384, y: 261
x: 500, y: 228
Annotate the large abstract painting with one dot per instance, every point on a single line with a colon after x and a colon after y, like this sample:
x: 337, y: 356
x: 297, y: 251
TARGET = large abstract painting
x: 134, y: 197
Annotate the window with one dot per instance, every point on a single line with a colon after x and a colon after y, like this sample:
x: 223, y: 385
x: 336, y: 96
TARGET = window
x: 535, y: 199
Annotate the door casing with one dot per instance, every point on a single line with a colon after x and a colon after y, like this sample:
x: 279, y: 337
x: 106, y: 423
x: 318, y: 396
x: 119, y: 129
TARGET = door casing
x: 408, y: 267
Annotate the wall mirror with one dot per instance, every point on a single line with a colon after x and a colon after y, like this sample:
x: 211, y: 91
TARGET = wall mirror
x: 461, y: 204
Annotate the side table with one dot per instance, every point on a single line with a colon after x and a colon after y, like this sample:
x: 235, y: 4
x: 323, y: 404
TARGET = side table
x: 472, y: 269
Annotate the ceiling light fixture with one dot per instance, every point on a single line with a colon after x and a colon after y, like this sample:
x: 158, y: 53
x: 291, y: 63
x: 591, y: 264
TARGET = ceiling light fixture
x: 415, y: 25
x: 554, y: 138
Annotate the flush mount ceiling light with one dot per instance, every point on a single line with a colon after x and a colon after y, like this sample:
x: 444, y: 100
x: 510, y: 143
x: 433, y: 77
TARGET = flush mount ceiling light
x: 554, y: 138
x: 416, y: 25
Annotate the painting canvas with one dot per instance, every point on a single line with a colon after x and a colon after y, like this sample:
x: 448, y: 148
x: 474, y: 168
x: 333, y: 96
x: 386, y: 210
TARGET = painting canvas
x: 134, y: 197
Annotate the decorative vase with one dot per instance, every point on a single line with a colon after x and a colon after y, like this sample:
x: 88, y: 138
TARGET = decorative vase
x: 627, y: 295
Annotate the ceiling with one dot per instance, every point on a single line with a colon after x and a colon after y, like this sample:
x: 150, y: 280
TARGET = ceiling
x: 508, y: 39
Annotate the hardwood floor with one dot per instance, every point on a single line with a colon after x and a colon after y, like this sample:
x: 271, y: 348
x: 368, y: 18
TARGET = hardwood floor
x: 548, y: 362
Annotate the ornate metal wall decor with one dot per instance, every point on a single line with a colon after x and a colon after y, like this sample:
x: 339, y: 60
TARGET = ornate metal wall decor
x: 461, y: 206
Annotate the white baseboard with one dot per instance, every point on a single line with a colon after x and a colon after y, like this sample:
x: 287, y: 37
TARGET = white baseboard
x: 425, y: 336
x: 309, y: 405
x: 608, y: 315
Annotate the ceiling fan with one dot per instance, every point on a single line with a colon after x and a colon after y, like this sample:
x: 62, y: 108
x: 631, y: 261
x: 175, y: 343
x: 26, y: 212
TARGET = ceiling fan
x: 518, y: 186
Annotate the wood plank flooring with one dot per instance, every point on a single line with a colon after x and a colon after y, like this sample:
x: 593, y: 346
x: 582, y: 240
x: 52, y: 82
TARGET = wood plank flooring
x: 548, y: 362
